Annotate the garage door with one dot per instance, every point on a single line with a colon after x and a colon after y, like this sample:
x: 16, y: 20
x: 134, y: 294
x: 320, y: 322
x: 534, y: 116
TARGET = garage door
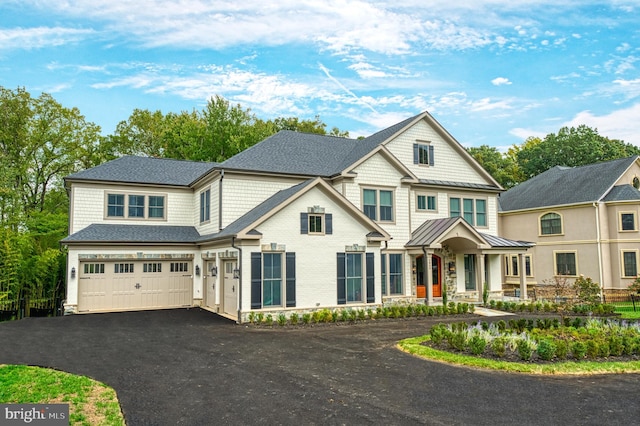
x: 128, y: 285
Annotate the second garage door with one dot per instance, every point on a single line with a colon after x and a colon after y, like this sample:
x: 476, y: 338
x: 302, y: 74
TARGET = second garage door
x: 127, y: 285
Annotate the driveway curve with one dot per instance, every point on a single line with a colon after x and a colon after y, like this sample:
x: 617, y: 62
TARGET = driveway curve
x: 191, y: 367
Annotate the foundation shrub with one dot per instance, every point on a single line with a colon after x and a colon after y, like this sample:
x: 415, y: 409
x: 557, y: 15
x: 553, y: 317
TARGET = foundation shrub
x: 578, y: 349
x: 546, y: 349
x: 562, y: 349
x: 525, y: 349
x: 499, y: 346
x: 282, y: 319
x: 306, y: 318
x: 477, y: 344
x: 294, y: 318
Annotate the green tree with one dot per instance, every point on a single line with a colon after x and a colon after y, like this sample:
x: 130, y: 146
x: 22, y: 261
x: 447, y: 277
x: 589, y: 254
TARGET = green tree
x: 503, y: 167
x: 571, y: 147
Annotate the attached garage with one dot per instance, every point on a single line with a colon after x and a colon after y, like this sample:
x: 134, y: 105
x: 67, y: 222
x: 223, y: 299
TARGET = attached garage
x: 124, y: 285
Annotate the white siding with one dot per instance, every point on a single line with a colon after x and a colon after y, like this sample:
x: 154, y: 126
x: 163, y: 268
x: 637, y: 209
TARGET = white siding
x: 316, y: 255
x: 241, y: 194
x: 89, y: 205
x: 449, y: 165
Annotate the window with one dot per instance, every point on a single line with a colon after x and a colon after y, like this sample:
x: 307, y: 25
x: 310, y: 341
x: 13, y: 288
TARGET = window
x: 272, y: 279
x: 115, y: 205
x: 628, y: 221
x: 423, y: 154
x: 470, y: 272
x: 94, y: 268
x: 467, y: 205
x: 481, y: 212
x: 630, y: 264
x: 205, y: 206
x: 512, y: 265
x: 551, y: 224
x: 315, y: 223
x: 152, y: 267
x: 473, y: 210
x: 156, y: 206
x: 383, y: 265
x: 136, y: 205
x: 395, y: 273
x: 179, y: 267
x: 426, y: 202
x: 454, y: 207
x: 123, y: 268
x: 353, y: 277
x: 566, y: 263
x: 370, y: 207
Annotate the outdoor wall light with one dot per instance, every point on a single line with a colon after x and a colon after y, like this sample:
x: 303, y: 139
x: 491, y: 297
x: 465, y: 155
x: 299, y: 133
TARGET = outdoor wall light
x: 197, y: 270
x: 236, y: 274
x: 73, y: 272
x: 214, y: 271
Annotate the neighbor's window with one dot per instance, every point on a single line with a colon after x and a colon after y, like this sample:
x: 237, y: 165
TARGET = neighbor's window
x: 115, y: 205
x: 628, y: 221
x: 630, y: 264
x: 551, y: 224
x: 566, y: 263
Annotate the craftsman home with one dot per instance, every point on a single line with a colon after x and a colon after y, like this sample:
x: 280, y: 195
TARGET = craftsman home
x: 583, y: 220
x: 295, y: 223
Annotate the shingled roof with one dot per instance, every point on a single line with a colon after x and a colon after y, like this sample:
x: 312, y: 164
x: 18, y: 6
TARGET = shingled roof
x: 569, y: 185
x: 146, y: 170
x: 114, y: 233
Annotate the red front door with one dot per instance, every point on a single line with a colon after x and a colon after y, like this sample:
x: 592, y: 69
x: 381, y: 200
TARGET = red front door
x: 436, y: 277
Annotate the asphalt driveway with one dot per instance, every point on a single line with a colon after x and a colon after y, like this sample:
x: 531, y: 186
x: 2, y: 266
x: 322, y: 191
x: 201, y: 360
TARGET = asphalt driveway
x: 192, y: 367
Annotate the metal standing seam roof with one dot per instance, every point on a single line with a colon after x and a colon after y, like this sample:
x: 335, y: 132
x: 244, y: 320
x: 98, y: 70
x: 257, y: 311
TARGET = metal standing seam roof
x: 431, y: 230
x: 566, y: 185
x: 146, y: 170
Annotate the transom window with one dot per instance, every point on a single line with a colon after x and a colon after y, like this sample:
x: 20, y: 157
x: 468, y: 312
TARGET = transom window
x: 134, y: 206
x: 473, y: 210
x: 630, y: 264
x: 551, y: 224
x: 382, y: 210
x: 565, y: 263
x: 426, y: 202
x: 628, y: 221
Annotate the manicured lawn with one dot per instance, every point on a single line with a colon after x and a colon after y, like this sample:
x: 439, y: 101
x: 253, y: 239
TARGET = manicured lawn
x: 90, y: 402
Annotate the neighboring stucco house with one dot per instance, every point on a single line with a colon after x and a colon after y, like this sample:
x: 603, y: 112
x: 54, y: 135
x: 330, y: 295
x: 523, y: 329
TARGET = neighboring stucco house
x: 295, y: 223
x: 583, y: 220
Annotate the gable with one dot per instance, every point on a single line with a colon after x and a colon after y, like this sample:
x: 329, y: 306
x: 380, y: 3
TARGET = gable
x: 450, y: 162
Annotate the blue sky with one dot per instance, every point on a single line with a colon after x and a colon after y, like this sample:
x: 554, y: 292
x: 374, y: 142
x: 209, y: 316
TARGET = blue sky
x: 491, y: 71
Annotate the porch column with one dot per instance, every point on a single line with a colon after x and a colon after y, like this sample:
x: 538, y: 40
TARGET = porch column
x: 428, y: 260
x: 481, y: 273
x: 523, y: 277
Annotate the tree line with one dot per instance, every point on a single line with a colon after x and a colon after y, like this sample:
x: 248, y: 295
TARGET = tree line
x: 42, y: 141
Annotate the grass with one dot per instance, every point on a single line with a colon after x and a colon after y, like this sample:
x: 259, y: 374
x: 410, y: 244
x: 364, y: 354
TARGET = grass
x: 90, y: 402
x: 413, y: 346
x: 625, y: 309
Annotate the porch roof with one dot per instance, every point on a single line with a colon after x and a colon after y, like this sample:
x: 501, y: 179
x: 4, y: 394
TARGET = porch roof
x: 433, y: 232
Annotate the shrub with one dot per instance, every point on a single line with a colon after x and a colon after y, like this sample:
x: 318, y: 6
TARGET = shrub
x: 499, y: 346
x: 282, y: 319
x: 546, y: 349
x: 616, y: 347
x: 252, y: 317
x: 344, y: 315
x: 477, y: 344
x: 438, y: 333
x: 294, y: 318
x: 578, y: 349
x: 362, y: 314
x: 593, y: 349
x: 259, y: 318
x: 269, y: 319
x: 562, y: 349
x: 588, y: 292
x: 457, y: 339
x: 525, y: 350
x: 306, y: 318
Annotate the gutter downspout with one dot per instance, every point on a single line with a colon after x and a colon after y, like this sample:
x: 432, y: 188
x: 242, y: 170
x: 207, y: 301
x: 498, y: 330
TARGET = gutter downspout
x: 220, y: 200
x: 599, y: 243
x: 233, y: 244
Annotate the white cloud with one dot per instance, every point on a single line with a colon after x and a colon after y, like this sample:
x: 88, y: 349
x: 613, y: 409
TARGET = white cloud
x: 486, y: 104
x: 500, y: 81
x: 39, y: 37
x: 621, y: 124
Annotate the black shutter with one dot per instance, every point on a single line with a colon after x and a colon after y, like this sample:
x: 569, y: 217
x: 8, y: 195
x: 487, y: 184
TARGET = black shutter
x: 342, y: 282
x: 290, y: 269
x: 304, y: 223
x: 416, y: 153
x: 328, y: 225
x: 371, y: 289
x: 431, y: 155
x: 256, y: 280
